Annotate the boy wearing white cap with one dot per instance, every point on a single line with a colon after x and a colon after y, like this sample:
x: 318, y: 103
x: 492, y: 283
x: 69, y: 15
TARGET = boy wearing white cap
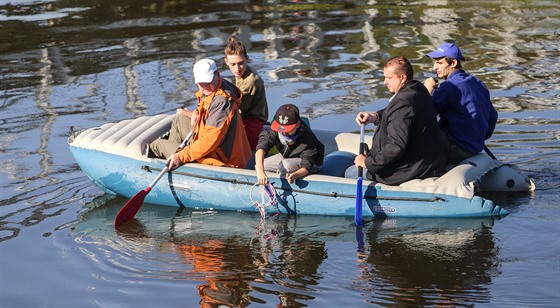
x: 462, y: 101
x: 218, y: 134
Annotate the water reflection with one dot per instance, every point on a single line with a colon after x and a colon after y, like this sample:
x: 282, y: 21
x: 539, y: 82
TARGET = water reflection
x: 67, y: 63
x: 430, y: 263
x: 230, y: 254
x: 236, y: 261
x: 317, y: 43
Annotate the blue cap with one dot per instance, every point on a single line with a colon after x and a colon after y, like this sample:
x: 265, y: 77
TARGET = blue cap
x: 446, y: 50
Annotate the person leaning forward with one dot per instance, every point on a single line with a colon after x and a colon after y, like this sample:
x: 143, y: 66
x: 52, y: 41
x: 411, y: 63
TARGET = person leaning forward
x: 462, y: 101
x: 299, y: 151
x: 407, y: 144
x: 218, y: 134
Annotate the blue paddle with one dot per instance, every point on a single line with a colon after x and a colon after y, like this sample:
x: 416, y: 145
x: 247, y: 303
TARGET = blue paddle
x: 130, y: 209
x: 358, y: 212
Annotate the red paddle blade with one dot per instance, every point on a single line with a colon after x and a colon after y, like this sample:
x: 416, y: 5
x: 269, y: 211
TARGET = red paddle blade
x: 131, y: 207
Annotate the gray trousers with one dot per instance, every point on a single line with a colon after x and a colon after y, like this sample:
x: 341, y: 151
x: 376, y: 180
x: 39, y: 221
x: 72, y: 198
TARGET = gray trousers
x: 180, y: 128
x: 277, y: 164
x: 280, y: 165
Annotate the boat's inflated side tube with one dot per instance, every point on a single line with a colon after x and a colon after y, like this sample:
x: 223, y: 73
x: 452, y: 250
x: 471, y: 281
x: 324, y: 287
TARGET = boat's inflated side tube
x: 336, y: 163
x: 506, y: 178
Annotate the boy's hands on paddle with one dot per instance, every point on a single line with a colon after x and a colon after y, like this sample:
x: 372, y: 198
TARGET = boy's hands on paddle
x: 173, y: 162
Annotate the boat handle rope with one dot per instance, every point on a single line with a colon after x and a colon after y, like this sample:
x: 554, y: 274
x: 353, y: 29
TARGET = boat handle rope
x: 333, y: 194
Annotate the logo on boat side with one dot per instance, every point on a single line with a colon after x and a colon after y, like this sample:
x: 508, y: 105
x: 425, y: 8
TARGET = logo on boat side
x: 181, y: 186
x: 384, y: 209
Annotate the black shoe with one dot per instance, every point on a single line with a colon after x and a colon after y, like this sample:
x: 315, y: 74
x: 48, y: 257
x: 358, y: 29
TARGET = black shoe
x: 165, y: 135
x: 148, y: 152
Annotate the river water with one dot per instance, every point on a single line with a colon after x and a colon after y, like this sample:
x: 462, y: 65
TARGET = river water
x: 72, y: 63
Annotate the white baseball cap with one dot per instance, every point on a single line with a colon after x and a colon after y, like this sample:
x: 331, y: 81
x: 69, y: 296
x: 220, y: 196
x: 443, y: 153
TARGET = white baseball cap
x: 204, y: 71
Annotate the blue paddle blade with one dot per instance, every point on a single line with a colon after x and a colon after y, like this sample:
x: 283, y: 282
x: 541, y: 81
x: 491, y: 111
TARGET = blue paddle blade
x: 360, y: 239
x: 358, y: 212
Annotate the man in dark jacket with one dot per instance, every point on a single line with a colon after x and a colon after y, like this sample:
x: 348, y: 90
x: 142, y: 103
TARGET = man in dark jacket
x: 299, y: 150
x: 407, y: 144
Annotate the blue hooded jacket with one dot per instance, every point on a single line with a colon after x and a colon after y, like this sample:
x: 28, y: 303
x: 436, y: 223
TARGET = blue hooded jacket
x: 466, y: 113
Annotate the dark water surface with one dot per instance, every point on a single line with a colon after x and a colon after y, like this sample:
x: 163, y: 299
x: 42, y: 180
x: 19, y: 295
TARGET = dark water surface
x: 85, y: 63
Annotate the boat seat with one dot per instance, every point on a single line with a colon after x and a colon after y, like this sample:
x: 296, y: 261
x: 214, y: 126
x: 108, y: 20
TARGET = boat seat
x: 336, y: 163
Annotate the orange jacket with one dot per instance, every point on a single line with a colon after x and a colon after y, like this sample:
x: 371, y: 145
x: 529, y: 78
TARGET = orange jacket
x: 219, y: 136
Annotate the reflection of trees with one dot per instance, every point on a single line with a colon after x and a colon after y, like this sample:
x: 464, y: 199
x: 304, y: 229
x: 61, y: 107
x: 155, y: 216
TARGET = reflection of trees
x: 218, y: 263
x: 439, y: 24
x: 36, y: 201
x: 133, y: 103
x: 337, y: 47
x: 440, y: 265
x: 420, y: 262
x: 169, y: 25
x: 230, y: 264
x: 290, y: 261
x: 44, y: 104
x: 234, y: 269
x: 299, y: 42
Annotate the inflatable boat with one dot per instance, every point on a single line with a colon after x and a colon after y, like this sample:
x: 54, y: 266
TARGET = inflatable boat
x: 113, y: 157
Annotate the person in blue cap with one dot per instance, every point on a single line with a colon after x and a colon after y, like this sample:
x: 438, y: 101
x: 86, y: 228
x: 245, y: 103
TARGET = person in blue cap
x: 462, y: 101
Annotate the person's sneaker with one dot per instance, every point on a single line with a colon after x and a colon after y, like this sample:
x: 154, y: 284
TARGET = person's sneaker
x: 165, y: 135
x: 148, y: 152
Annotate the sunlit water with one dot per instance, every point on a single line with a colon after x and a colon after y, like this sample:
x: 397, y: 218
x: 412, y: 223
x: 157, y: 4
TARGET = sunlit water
x: 66, y: 64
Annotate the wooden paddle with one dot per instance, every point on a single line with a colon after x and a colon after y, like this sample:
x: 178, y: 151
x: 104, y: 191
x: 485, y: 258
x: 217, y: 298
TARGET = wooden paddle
x: 131, y: 207
x: 358, y: 212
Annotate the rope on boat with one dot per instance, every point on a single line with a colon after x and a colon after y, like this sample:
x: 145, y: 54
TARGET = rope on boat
x: 333, y: 194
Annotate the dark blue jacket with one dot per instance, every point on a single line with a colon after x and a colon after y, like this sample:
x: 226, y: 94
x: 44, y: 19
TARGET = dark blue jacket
x: 466, y: 113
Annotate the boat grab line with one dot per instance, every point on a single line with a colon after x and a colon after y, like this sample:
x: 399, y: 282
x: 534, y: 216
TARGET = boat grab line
x: 333, y: 194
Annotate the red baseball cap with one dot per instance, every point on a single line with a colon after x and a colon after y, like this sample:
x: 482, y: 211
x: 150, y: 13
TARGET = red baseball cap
x: 286, y: 118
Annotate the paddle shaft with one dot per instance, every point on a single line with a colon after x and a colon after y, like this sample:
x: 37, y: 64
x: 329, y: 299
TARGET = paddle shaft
x: 362, y: 147
x: 358, y: 212
x: 160, y: 175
